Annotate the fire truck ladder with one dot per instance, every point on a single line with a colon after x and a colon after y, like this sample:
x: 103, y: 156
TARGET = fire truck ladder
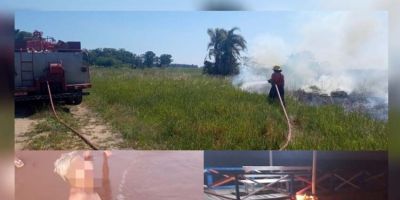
x: 27, y: 74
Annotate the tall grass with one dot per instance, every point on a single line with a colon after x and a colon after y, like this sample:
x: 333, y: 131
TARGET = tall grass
x: 183, y: 109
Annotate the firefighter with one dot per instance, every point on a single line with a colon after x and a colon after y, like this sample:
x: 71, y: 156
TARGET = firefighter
x: 277, y: 79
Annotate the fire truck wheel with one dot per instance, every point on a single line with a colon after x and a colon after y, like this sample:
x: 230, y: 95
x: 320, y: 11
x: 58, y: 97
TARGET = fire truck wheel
x: 75, y: 100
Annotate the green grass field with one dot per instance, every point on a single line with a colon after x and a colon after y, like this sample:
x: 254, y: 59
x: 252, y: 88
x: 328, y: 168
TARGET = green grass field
x: 184, y: 109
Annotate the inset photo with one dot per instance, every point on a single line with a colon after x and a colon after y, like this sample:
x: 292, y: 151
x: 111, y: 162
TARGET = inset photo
x: 108, y: 175
x: 295, y: 175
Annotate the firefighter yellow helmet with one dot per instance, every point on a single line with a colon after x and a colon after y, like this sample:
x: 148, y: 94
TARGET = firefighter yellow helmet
x: 277, y: 68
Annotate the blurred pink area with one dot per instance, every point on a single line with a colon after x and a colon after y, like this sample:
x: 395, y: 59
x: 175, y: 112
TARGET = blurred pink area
x: 167, y: 175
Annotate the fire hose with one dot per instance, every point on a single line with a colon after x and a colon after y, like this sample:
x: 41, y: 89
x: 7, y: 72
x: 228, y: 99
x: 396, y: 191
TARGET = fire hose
x: 66, y: 125
x: 289, y: 135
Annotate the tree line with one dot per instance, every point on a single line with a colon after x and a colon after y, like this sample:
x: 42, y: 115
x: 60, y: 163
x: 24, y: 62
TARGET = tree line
x: 108, y: 57
x: 223, y: 57
x: 20, y: 38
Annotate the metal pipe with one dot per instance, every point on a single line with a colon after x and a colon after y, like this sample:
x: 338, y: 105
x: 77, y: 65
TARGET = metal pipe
x: 237, y: 191
x: 270, y: 158
x: 314, y: 173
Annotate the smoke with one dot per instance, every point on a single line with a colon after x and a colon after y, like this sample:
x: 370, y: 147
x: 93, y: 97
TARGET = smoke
x: 336, y: 51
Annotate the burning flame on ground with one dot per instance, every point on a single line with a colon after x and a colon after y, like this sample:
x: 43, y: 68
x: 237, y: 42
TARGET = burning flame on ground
x: 305, y: 197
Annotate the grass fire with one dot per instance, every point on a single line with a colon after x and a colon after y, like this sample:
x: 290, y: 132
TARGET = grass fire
x: 214, y: 91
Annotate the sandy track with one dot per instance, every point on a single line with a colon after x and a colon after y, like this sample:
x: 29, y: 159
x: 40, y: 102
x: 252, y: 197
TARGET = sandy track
x: 90, y: 125
x: 95, y: 129
x: 22, y: 126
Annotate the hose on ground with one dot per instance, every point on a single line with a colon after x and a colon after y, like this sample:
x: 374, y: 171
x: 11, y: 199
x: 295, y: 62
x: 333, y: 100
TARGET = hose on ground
x: 289, y: 135
x: 91, y: 145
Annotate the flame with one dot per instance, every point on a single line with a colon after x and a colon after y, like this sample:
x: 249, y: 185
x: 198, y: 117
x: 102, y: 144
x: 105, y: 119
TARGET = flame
x: 305, y: 197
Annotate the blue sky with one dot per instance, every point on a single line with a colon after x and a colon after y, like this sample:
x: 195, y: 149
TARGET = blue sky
x: 171, y: 5
x: 182, y: 34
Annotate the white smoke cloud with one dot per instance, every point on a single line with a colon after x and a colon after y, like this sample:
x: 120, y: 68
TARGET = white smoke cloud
x: 356, y: 40
x: 268, y: 50
x: 335, y: 51
x: 357, y: 4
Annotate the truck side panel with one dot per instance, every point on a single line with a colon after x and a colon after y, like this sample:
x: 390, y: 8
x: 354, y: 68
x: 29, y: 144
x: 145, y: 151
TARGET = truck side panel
x: 75, y: 72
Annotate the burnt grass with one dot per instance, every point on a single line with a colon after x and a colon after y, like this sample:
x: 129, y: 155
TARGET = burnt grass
x: 178, y: 108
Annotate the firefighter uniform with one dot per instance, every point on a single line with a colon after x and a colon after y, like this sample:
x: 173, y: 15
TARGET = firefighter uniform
x: 277, y: 79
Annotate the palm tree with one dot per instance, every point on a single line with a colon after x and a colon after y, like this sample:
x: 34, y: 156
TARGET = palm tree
x: 225, y: 46
x: 215, y: 48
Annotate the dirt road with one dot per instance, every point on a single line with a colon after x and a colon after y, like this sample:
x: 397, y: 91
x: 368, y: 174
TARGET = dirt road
x: 89, y: 124
x: 95, y: 129
x: 21, y: 127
